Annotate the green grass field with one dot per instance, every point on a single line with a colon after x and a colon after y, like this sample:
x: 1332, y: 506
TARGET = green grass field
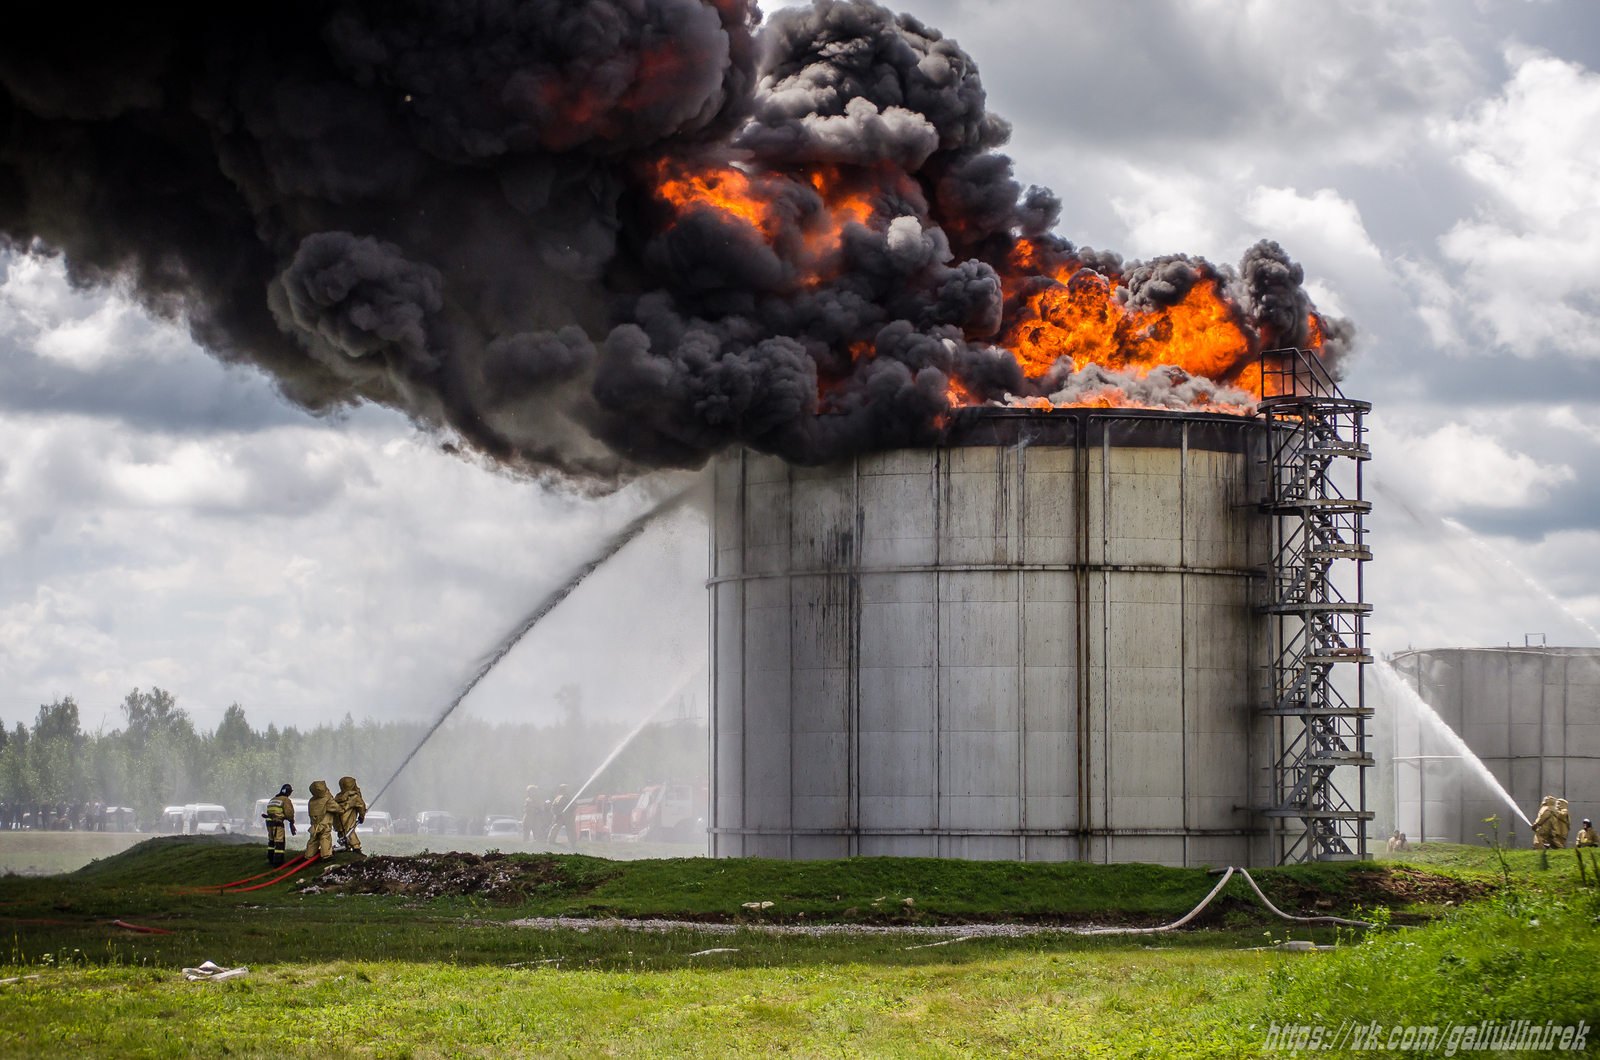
x: 388, y: 975
x: 42, y: 853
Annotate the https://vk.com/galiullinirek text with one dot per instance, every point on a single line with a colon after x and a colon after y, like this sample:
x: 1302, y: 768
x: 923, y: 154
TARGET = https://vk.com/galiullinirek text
x: 1446, y: 1039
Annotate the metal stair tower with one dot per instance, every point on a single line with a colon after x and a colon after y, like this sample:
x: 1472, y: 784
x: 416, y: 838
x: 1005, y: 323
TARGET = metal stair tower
x: 1319, y: 755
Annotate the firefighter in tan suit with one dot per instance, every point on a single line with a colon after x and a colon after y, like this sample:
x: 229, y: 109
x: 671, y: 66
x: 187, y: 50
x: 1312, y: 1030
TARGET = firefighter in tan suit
x: 532, y: 814
x: 350, y: 810
x: 1563, y: 825
x: 1544, y: 825
x: 320, y: 812
x: 559, y: 814
x: 1587, y: 837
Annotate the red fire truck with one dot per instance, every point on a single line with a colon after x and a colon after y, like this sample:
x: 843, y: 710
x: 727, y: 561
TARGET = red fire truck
x: 667, y: 812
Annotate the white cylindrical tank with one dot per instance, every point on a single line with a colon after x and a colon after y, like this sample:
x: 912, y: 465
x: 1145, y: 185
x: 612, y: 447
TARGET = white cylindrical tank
x: 1531, y: 714
x: 1037, y: 642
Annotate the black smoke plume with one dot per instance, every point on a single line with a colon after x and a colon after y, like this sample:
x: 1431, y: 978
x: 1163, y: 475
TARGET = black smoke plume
x: 451, y: 209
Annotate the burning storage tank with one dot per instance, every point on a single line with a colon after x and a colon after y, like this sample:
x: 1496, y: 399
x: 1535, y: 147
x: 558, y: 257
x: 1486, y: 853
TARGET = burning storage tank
x: 1532, y: 714
x: 1040, y: 641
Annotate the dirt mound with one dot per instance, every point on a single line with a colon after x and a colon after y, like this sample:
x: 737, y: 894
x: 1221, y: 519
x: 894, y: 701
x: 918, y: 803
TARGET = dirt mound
x: 498, y: 877
x: 1396, y: 886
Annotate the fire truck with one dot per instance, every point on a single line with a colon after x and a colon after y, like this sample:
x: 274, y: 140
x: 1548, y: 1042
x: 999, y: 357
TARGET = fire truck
x: 668, y: 812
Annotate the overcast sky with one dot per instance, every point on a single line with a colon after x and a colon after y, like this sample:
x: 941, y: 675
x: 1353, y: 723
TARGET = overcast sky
x: 1436, y: 167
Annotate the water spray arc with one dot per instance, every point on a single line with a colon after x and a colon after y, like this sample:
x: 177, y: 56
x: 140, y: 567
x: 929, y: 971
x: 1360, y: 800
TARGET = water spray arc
x: 1527, y: 579
x: 628, y: 739
x: 616, y: 543
x: 1408, y: 697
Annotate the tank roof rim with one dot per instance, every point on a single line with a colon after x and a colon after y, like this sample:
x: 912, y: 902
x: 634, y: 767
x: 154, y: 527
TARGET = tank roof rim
x: 1091, y: 411
x: 1553, y: 649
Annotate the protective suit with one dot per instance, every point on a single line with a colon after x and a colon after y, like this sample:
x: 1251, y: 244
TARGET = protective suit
x: 559, y: 808
x: 320, y: 811
x: 1587, y: 836
x: 351, y: 810
x: 1544, y: 825
x: 279, y: 818
x: 532, y: 814
x: 1563, y: 825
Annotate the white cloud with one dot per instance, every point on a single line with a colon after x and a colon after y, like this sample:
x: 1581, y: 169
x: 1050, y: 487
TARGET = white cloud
x: 1531, y: 255
x: 1323, y: 221
x: 1165, y: 213
x: 1459, y: 466
x: 1566, y: 418
x: 83, y: 329
x: 1434, y: 301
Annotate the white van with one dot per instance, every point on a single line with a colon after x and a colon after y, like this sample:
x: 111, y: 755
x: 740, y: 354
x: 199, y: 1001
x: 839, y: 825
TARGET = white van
x: 377, y: 823
x: 205, y: 818
x: 172, y: 822
x: 258, y: 826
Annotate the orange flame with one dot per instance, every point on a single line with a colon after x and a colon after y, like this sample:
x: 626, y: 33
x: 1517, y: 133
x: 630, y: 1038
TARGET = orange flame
x: 1079, y: 317
x: 1057, y: 310
x: 727, y: 190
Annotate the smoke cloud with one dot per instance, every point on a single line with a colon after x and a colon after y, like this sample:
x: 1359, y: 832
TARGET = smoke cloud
x: 594, y: 237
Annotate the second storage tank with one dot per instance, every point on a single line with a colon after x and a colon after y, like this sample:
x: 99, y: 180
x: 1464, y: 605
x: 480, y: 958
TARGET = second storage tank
x: 1039, y: 641
x: 1531, y: 714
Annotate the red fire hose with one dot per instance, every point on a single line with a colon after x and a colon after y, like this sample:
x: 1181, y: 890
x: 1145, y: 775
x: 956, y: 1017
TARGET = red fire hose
x: 298, y: 863
x: 79, y: 923
x: 293, y: 868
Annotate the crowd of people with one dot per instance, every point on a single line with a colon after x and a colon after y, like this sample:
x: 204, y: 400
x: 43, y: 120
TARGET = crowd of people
x: 64, y: 816
x: 328, y: 816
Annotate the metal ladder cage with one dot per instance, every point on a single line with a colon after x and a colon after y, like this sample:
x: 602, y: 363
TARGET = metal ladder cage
x: 1314, y: 625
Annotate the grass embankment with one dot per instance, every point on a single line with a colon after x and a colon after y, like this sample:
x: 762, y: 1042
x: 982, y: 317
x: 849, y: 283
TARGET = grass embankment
x: 52, y: 853
x: 390, y: 976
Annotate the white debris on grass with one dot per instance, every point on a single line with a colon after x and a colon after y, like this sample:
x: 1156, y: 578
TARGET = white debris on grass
x: 208, y: 972
x: 946, y: 942
x: 715, y: 949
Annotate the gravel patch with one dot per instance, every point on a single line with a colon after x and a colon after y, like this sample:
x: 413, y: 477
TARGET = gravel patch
x: 575, y: 923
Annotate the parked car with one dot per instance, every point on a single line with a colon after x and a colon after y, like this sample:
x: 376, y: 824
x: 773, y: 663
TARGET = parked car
x: 172, y: 821
x: 120, y: 819
x: 501, y: 825
x: 436, y: 822
x: 377, y: 823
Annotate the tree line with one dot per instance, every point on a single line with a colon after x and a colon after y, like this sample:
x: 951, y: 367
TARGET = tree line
x: 158, y: 758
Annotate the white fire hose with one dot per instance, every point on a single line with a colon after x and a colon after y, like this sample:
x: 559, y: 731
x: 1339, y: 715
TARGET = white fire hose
x: 1226, y: 876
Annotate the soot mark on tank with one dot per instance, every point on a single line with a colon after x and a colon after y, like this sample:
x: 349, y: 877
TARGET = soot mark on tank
x: 838, y: 550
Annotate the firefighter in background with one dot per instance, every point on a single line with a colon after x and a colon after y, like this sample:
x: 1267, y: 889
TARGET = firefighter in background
x: 1544, y: 825
x: 1563, y: 825
x: 320, y: 812
x: 1587, y: 836
x: 532, y: 814
x: 558, y: 816
x: 350, y: 809
x: 280, y: 812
